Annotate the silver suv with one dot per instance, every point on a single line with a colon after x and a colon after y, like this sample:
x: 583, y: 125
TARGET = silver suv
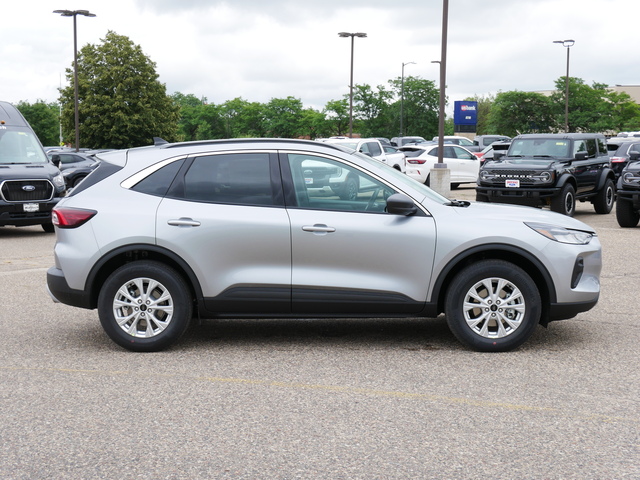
x: 156, y: 236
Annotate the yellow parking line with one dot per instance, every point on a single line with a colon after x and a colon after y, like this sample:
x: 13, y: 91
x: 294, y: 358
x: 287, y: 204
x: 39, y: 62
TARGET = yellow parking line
x: 348, y: 390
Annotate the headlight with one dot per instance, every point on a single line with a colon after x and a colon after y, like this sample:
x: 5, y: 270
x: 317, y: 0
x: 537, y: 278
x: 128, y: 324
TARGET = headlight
x: 58, y: 181
x: 486, y: 175
x: 561, y: 234
x: 543, y: 177
x: 631, y: 178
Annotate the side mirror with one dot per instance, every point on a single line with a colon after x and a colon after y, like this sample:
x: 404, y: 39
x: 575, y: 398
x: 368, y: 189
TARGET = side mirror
x: 497, y: 155
x: 55, y: 158
x: 582, y: 155
x: 634, y: 156
x: 400, y: 204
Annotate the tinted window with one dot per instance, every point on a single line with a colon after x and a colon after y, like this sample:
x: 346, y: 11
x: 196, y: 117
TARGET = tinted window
x: 602, y: 146
x: 158, y: 182
x: 239, y: 179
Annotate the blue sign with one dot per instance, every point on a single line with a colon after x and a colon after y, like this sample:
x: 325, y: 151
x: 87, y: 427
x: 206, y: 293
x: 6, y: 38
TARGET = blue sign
x: 465, y: 113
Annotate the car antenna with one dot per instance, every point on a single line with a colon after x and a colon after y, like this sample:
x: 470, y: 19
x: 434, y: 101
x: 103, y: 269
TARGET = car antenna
x: 159, y: 141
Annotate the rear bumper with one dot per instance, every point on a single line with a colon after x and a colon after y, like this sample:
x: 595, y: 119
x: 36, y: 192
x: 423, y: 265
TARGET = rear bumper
x: 60, y: 291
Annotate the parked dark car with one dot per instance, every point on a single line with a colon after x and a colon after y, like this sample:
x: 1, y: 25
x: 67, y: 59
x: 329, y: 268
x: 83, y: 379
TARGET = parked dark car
x: 74, y: 165
x: 485, y: 140
x: 551, y: 170
x: 628, y: 207
x: 620, y: 157
x: 30, y: 183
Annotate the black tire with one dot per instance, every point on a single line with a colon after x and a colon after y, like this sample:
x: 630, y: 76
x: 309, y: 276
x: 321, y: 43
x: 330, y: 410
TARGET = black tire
x: 490, y: 327
x: 603, y: 203
x: 427, y: 181
x: 627, y: 216
x: 48, y: 227
x: 145, y: 325
x: 565, y: 203
x: 77, y: 181
x: 350, y: 189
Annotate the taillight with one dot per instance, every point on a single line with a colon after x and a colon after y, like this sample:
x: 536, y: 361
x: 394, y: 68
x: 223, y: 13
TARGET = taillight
x: 415, y: 161
x: 618, y: 159
x: 71, y: 217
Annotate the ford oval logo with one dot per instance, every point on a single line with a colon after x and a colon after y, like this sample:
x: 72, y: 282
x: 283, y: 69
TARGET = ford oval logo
x: 28, y: 188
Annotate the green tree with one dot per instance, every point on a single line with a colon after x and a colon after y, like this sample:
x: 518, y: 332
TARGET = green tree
x: 283, y: 117
x: 420, y: 107
x: 518, y: 112
x: 595, y: 108
x: 337, y: 116
x: 44, y: 118
x: 242, y: 119
x: 484, y: 111
x: 370, y: 109
x: 121, y: 102
x: 313, y: 124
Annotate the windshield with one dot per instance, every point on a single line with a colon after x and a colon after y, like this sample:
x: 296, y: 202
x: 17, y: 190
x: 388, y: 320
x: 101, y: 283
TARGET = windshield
x: 540, y: 147
x: 19, y: 145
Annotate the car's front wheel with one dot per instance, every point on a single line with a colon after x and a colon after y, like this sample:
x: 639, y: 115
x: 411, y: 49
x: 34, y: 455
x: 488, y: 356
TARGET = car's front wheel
x: 145, y: 306
x: 492, y: 306
x: 565, y: 203
x: 627, y: 216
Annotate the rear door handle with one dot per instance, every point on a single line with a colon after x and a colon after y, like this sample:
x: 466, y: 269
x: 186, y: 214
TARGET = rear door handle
x: 184, y: 222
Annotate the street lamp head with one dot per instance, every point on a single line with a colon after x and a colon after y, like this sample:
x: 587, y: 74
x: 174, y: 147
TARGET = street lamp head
x: 73, y: 13
x: 347, y: 34
x: 565, y: 43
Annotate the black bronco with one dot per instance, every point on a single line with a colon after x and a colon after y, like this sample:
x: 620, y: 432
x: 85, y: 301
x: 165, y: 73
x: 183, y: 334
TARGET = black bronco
x: 30, y: 183
x: 628, y: 207
x: 551, y: 170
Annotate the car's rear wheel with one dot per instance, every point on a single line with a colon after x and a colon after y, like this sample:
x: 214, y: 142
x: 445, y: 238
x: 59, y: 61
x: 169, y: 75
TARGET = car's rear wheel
x: 626, y: 215
x: 565, y: 203
x: 145, y: 306
x: 603, y: 203
x: 48, y: 227
x: 492, y: 306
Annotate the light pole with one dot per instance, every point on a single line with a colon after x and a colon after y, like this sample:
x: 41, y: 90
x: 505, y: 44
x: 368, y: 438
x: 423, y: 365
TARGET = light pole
x: 352, y: 35
x: 74, y: 14
x: 402, y: 98
x: 568, y: 44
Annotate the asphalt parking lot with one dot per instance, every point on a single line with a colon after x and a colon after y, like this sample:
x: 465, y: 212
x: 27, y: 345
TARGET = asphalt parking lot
x: 334, y: 399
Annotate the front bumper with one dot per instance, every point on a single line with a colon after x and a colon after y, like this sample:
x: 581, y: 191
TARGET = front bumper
x: 532, y: 197
x: 18, y: 214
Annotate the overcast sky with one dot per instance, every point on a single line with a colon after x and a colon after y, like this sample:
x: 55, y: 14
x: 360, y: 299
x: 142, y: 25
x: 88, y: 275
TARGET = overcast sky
x: 264, y: 49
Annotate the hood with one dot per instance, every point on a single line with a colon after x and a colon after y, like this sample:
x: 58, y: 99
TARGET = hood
x: 493, y: 212
x: 510, y: 163
x: 28, y: 171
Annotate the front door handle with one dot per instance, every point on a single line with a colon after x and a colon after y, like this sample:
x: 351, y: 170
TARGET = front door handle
x: 318, y: 228
x: 183, y: 222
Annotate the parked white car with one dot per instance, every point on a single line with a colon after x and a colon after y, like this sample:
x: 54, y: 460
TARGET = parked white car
x: 463, y: 164
x: 372, y: 148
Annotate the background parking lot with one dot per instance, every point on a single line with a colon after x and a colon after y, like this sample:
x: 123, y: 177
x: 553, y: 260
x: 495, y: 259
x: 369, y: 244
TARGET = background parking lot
x: 384, y: 398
